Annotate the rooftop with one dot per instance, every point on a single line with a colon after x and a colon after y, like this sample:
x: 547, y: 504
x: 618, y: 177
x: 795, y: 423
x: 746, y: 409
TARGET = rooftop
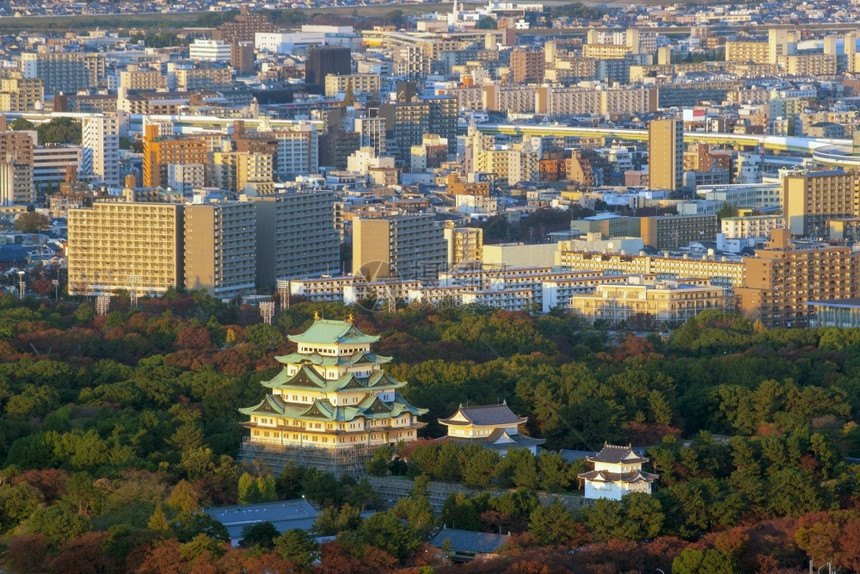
x: 332, y: 332
x: 485, y: 415
x: 468, y: 541
x: 284, y: 515
x: 616, y: 454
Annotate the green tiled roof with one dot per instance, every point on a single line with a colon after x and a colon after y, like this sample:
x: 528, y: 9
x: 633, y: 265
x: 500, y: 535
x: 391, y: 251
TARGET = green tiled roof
x: 322, y: 410
x: 329, y: 332
x: 308, y: 379
x: 357, y: 358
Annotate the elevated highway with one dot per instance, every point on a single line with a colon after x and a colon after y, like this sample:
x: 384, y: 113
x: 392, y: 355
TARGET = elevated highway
x: 802, y: 145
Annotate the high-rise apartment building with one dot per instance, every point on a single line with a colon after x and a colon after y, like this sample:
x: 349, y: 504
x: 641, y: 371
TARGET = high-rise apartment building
x: 781, y: 42
x: 298, y: 151
x: 296, y: 236
x: 407, y: 246
x: 666, y: 154
x: 465, y: 244
x: 527, y: 65
x: 244, y: 26
x: 65, y: 72
x: 16, y: 155
x: 372, y: 134
x: 407, y: 122
x: 782, y: 278
x: 160, y: 152
x: 220, y: 247
x: 234, y: 170
x: 125, y: 245
x: 19, y: 94
x: 16, y: 183
x: 100, y: 148
x: 809, y: 200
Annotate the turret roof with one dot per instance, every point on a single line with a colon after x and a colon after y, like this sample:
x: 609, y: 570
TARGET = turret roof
x: 330, y: 332
x: 307, y: 378
x: 357, y: 358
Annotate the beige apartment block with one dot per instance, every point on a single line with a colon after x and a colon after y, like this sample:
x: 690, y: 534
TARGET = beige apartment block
x: 136, y: 78
x: 465, y: 244
x: 203, y: 78
x: 358, y: 83
x: 664, y: 301
x: 809, y: 200
x: 125, y: 245
x: 723, y: 272
x: 605, y: 51
x: 740, y: 51
x: 20, y: 94
x: 220, y: 247
x: 811, y: 64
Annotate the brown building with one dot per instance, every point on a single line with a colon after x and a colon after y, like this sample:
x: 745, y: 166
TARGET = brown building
x: 242, y: 57
x: 243, y: 28
x: 160, y: 152
x: 527, y: 65
x: 666, y: 154
x: 782, y: 278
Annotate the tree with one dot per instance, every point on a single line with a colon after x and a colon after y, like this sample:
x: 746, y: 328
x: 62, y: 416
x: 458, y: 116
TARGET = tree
x: 385, y: 531
x: 57, y: 526
x: 555, y: 473
x: 20, y: 124
x: 261, y: 534
x: 332, y: 520
x: 158, y: 520
x: 297, y: 546
x: 552, y: 525
x: 692, y: 561
x: 183, y: 498
x: 25, y: 553
x: 32, y: 222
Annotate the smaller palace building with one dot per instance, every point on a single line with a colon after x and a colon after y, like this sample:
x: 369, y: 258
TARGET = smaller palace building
x: 617, y: 471
x: 330, y: 405
x: 492, y: 426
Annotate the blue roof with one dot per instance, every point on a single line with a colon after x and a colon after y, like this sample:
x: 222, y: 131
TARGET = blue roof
x: 468, y: 541
x: 284, y: 515
x: 13, y: 253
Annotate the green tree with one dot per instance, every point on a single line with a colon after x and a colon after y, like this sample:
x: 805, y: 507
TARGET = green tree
x: 692, y: 561
x: 552, y: 525
x: 298, y: 547
x: 555, y: 473
x: 260, y: 534
x: 332, y: 520
x: 605, y: 519
x: 56, y: 525
x: 386, y: 531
